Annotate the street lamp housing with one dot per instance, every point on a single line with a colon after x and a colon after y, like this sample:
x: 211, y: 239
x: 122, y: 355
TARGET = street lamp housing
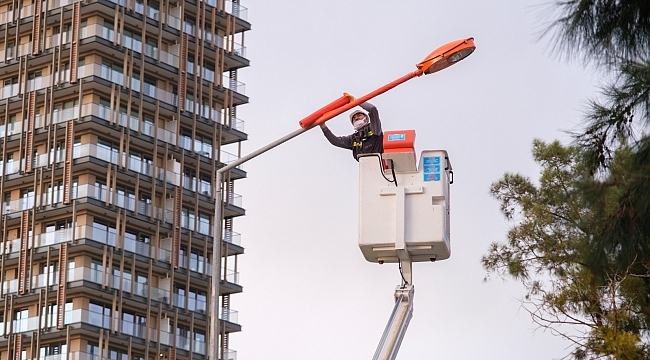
x: 446, y: 56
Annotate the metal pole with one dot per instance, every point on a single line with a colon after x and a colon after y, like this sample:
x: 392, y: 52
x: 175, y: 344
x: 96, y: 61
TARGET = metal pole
x: 213, y: 350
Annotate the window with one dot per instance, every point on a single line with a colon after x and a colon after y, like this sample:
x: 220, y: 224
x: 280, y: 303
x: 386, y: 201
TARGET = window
x: 190, y: 63
x: 34, y: 75
x: 149, y: 87
x: 151, y: 48
x: 148, y: 125
x: 52, y: 311
x: 189, y: 25
x: 55, y: 196
x: 57, y: 153
x: 125, y: 197
x: 136, y: 242
x: 205, y: 184
x: 112, y: 72
x: 62, y: 74
x: 152, y: 10
x: 99, y: 315
x: 53, y: 349
x: 108, y: 151
x: 96, y: 271
x: 10, y: 50
x: 50, y: 272
x: 9, y: 164
x: 65, y: 36
x: 27, y: 198
x: 65, y: 111
x: 189, y: 179
x: 132, y: 40
x: 187, y: 218
x: 21, y: 317
x: 144, y: 205
x: 103, y: 232
x: 204, y: 223
x: 140, y: 163
x: 107, y: 30
x: 7, y: 199
x: 126, y: 278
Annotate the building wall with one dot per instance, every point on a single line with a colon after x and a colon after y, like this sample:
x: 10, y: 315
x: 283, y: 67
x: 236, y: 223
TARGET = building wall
x: 114, y: 117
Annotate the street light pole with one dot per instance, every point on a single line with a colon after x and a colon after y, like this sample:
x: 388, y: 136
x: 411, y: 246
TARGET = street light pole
x: 216, y: 251
x: 439, y: 59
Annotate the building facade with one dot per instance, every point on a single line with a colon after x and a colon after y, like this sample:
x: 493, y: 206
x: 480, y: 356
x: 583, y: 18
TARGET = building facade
x: 114, y: 117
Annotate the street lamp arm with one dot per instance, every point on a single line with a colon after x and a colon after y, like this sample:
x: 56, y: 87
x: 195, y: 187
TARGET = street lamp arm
x: 340, y: 110
x: 261, y: 150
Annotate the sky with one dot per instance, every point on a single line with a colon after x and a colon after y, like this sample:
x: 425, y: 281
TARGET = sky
x: 308, y: 291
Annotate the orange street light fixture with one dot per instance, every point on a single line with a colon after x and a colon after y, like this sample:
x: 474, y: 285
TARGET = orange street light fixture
x: 441, y: 58
x: 446, y: 56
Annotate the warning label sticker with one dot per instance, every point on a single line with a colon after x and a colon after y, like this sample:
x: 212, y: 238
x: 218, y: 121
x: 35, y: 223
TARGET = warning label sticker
x: 431, y: 168
x: 396, y: 137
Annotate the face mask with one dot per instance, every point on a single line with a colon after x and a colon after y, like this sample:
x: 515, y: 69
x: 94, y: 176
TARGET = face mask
x: 359, y: 124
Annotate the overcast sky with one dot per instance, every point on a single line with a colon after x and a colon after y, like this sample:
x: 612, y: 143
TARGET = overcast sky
x: 308, y: 292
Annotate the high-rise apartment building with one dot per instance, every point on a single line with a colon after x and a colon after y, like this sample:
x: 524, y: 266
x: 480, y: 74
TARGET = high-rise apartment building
x: 114, y: 116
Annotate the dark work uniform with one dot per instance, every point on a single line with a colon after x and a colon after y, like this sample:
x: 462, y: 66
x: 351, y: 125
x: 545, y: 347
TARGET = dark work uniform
x: 369, y: 139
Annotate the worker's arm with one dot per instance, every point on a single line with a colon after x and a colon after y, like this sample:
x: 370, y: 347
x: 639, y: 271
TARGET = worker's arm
x: 339, y: 141
x: 373, y: 113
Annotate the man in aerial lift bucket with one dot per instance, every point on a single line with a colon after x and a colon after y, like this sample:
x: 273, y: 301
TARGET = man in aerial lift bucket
x: 367, y: 137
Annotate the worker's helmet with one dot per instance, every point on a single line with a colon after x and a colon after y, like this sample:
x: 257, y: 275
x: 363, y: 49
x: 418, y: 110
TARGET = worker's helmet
x: 355, y: 113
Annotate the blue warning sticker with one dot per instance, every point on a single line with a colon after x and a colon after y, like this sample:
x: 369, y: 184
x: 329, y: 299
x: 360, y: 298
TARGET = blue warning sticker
x: 431, y: 168
x: 432, y: 160
x: 396, y: 137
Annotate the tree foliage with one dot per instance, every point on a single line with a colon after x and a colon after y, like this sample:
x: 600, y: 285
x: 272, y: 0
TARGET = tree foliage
x: 580, y: 239
x: 614, y: 35
x: 579, y: 284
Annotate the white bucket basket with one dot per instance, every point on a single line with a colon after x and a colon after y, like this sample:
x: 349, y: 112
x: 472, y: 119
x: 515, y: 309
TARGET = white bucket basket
x: 412, y: 216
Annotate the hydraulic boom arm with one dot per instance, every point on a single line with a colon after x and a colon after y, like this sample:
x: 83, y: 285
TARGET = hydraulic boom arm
x: 397, y: 324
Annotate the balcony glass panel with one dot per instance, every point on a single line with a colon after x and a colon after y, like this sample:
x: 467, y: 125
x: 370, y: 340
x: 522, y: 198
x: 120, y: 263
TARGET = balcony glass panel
x: 232, y: 276
x: 232, y: 237
x: 235, y: 199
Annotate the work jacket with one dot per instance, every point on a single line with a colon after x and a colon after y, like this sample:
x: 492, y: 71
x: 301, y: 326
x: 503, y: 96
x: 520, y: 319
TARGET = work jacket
x: 369, y: 139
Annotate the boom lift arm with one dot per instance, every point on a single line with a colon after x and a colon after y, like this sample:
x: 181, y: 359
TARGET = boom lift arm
x: 397, y: 324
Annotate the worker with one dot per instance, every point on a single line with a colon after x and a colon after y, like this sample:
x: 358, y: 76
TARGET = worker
x: 367, y: 138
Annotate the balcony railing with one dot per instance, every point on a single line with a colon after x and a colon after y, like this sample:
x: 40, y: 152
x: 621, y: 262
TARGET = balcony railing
x: 119, y: 199
x: 232, y: 237
x: 113, y: 281
x: 79, y: 355
x: 137, y: 330
x: 235, y: 199
x: 232, y: 276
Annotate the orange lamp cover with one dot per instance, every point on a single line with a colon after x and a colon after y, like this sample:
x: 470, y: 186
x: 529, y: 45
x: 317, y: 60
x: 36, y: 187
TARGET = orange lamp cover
x: 309, y: 120
x: 443, y: 56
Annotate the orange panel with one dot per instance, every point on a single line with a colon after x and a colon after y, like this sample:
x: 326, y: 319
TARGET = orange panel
x: 309, y: 120
x: 399, y: 141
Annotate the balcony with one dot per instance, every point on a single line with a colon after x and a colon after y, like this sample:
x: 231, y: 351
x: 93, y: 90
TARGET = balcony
x: 108, y: 238
x: 79, y: 355
x: 125, y: 201
x: 113, y: 281
x: 232, y: 237
x: 132, y: 329
x: 103, y: 112
x: 35, y: 282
